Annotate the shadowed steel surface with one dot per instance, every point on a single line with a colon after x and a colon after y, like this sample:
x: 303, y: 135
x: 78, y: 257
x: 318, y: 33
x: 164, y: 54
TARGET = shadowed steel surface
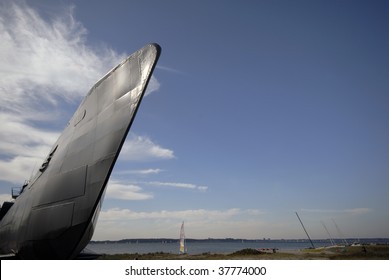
x: 55, y: 213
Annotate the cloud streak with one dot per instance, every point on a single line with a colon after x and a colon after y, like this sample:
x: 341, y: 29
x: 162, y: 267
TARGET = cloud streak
x: 196, y: 214
x: 176, y: 185
x: 22, y: 146
x: 142, y: 148
x: 5, y: 197
x: 118, y: 190
x: 148, y: 171
x: 355, y: 211
x: 200, y: 223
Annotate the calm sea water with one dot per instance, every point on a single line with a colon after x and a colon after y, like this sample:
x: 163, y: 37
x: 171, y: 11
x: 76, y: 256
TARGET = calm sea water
x: 214, y: 246
x: 197, y: 247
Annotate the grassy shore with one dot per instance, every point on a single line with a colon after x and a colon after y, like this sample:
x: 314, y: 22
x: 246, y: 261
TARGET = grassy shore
x: 368, y: 252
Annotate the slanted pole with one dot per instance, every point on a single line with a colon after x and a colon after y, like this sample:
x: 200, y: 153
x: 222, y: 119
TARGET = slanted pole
x: 313, y: 246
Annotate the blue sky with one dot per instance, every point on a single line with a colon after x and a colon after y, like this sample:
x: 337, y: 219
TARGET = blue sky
x: 257, y: 109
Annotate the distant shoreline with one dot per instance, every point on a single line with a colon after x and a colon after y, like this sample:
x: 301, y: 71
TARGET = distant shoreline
x: 266, y: 240
x: 217, y: 246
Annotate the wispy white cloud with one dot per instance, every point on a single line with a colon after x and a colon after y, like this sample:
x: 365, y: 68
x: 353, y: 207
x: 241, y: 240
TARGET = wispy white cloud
x: 153, y: 86
x: 319, y: 210
x: 197, y: 214
x: 18, y: 137
x: 47, y: 60
x: 148, y: 171
x: 142, y: 148
x: 356, y: 211
x: 169, y: 69
x: 41, y: 63
x: 119, y: 190
x: 18, y: 169
x: 200, y: 223
x: 23, y: 146
x: 176, y: 185
x: 5, y: 197
x: 44, y: 64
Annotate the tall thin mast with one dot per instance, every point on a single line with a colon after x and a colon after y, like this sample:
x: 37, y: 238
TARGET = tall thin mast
x: 340, y: 233
x: 331, y: 239
x: 313, y: 246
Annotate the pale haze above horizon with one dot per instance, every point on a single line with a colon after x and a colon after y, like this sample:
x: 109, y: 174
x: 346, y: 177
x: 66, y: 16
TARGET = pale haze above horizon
x: 256, y: 110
